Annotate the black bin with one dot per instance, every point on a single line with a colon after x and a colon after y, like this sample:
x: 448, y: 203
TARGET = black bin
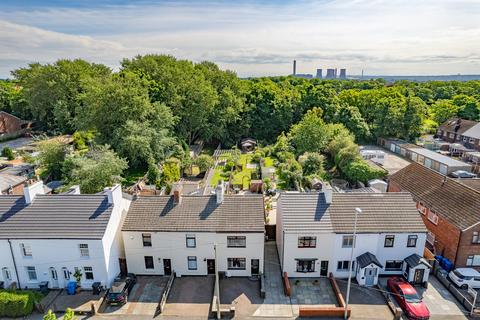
x: 2, y: 285
x: 96, y: 288
x: 43, y: 286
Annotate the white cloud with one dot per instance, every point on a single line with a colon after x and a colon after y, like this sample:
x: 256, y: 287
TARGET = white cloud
x: 383, y: 37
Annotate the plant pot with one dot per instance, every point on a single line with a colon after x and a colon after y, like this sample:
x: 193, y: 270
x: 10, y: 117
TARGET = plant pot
x: 78, y: 289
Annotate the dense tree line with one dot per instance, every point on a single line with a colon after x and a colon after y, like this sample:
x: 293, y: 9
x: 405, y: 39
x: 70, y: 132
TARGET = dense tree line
x: 156, y: 105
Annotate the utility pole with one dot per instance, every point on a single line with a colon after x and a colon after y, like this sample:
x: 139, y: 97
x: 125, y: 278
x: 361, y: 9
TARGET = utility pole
x: 217, y: 282
x: 357, y: 211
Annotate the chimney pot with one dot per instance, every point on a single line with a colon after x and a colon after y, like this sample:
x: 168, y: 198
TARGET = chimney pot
x: 177, y: 193
x: 220, y: 192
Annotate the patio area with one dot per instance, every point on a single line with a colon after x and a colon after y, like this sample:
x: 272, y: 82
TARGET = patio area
x: 312, y: 291
x: 242, y: 293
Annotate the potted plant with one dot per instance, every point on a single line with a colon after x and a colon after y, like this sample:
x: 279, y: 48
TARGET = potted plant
x: 78, y: 277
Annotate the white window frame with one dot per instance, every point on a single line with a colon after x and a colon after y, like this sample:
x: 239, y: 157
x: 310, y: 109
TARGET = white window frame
x: 412, y: 236
x: 84, y: 250
x: 8, y: 274
x: 232, y: 261
x: 66, y: 273
x: 147, y: 239
x: 433, y: 217
x: 347, y: 241
x: 421, y: 208
x: 431, y: 237
x: 31, y: 271
x: 86, y: 270
x: 236, y: 241
x: 26, y: 250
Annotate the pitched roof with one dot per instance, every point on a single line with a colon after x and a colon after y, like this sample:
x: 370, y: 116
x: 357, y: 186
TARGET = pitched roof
x: 451, y: 124
x: 368, y: 258
x: 381, y: 212
x: 450, y: 199
x: 473, y: 183
x: 54, y: 217
x: 196, y: 214
x: 473, y: 132
x: 10, y: 180
x: 414, y: 260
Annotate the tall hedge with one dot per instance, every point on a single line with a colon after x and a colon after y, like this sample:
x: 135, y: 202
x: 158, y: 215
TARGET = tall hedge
x: 16, y: 303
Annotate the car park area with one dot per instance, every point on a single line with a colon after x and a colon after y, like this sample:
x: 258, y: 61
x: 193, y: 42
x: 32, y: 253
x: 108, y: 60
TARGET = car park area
x: 142, y: 300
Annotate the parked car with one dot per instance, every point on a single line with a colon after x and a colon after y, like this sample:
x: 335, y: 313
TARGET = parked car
x: 463, y: 174
x: 121, y: 288
x: 408, y: 299
x: 465, y: 277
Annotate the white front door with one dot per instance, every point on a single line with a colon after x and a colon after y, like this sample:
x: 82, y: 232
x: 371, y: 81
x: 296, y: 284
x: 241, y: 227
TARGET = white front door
x: 53, y: 278
x: 370, y: 274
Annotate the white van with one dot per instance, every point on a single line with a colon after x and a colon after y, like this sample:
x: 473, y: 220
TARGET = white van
x: 465, y: 277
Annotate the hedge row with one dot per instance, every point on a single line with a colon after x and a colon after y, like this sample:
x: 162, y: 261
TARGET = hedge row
x: 17, y: 303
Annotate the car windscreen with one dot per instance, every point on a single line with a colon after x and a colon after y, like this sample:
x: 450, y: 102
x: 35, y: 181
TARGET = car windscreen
x: 461, y: 276
x: 412, y: 298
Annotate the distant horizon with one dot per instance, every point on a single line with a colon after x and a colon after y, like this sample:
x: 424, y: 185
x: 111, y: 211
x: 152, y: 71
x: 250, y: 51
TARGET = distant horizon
x: 251, y: 37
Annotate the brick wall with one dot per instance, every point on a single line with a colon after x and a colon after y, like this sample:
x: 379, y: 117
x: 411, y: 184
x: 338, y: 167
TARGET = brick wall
x: 466, y: 247
x: 447, y: 236
x: 9, y: 123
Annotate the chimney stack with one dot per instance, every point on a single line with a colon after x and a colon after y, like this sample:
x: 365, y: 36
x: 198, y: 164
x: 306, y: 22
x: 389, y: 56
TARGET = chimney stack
x: 32, y: 189
x: 114, y: 194
x: 177, y: 193
x: 327, y: 192
x: 220, y: 192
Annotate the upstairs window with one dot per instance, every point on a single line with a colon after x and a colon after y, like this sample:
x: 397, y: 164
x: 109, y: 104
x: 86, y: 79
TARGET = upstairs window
x: 432, y: 216
x: 412, y: 241
x: 475, y: 238
x: 389, y: 241
x: 84, y: 252
x: 147, y: 239
x: 236, y: 242
x: 347, y: 241
x: 191, y: 241
x: 26, y: 250
x: 307, y: 242
x: 421, y: 208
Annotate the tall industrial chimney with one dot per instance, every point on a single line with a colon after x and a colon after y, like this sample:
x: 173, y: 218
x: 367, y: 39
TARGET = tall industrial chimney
x: 294, y: 67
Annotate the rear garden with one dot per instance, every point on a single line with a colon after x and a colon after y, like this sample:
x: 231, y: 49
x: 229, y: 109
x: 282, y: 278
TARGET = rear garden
x: 18, y: 303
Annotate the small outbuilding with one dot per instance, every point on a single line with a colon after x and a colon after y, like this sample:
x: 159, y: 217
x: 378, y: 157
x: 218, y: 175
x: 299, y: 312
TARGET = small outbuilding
x: 368, y: 268
x: 416, y: 269
x: 248, y: 144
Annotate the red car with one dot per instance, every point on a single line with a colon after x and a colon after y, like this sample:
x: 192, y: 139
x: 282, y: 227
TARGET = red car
x: 408, y: 299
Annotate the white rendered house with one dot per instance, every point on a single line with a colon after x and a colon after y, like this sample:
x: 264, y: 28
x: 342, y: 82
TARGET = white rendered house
x: 166, y: 234
x: 315, y: 235
x: 48, y: 237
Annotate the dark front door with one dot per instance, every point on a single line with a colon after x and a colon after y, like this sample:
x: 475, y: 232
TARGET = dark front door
x: 123, y: 266
x: 167, y: 267
x: 210, y: 266
x: 324, y: 268
x: 255, y: 266
x: 418, y: 277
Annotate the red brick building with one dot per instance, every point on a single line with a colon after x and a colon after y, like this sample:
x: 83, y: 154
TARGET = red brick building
x: 450, y: 211
x: 452, y: 130
x: 10, y: 124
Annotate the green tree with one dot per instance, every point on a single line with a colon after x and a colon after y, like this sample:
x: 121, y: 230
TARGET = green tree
x: 171, y: 171
x: 52, y: 155
x: 100, y: 167
x: 8, y: 153
x: 154, y: 173
x: 312, y: 163
x: 442, y: 110
x: 469, y: 107
x: 204, y: 162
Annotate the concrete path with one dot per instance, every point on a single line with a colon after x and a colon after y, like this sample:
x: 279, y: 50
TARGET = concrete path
x: 275, y: 304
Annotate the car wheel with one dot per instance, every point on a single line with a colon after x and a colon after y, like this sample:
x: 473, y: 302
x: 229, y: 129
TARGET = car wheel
x: 464, y: 287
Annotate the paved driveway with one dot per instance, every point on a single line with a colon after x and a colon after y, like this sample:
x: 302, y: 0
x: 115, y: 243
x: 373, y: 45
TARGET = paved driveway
x: 143, y: 300
x: 441, y: 303
x: 190, y: 297
x: 241, y: 292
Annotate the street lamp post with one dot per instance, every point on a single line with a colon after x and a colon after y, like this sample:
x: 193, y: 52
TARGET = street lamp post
x: 357, y: 211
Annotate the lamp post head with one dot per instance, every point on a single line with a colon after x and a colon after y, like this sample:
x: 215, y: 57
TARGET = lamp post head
x: 358, y: 210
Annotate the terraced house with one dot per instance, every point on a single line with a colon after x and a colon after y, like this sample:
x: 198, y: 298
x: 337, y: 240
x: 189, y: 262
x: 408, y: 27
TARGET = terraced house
x: 192, y: 235
x: 47, y: 238
x: 315, y: 235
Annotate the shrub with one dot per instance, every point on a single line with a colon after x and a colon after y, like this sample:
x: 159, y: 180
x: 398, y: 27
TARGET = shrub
x: 16, y: 303
x: 8, y: 153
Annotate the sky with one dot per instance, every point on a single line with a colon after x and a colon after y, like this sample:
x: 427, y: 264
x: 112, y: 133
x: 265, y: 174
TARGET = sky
x: 252, y: 38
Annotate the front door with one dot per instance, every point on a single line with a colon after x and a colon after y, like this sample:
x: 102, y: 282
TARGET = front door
x: 370, y: 274
x: 255, y: 267
x: 323, y: 268
x: 167, y: 267
x: 53, y: 277
x: 418, y: 276
x: 7, y: 277
x: 210, y: 266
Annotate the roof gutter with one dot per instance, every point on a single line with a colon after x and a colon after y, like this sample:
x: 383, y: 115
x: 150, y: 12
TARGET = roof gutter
x: 14, y: 263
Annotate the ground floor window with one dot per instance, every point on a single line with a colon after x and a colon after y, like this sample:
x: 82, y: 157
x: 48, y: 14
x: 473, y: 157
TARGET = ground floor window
x: 32, y: 273
x: 307, y: 265
x: 236, y: 263
x: 345, y: 265
x: 393, y: 265
x: 192, y: 263
x: 473, y: 260
x: 88, y: 273
x: 149, y: 262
